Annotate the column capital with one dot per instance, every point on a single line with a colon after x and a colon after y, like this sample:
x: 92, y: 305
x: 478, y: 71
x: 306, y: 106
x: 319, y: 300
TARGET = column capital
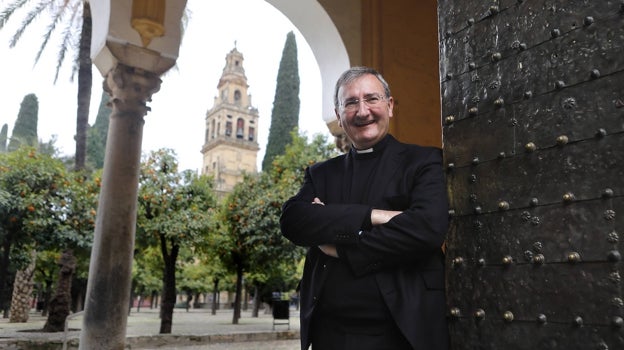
x: 130, y: 89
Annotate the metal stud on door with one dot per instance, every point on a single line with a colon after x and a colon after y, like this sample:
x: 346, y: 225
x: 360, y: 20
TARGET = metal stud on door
x: 533, y: 122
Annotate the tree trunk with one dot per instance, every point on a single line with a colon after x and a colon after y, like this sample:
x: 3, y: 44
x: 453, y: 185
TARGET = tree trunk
x: 196, y: 304
x: 22, y: 292
x: 4, y: 273
x: 59, y: 307
x: 47, y: 292
x: 237, y: 298
x: 189, y: 298
x: 256, y: 302
x: 215, y: 295
x: 79, y: 288
x: 131, y: 299
x: 140, y: 299
x: 85, y: 81
x: 169, y: 288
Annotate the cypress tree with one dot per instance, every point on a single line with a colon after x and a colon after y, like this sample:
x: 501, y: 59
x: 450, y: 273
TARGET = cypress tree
x: 4, y: 134
x: 25, y: 128
x: 285, y: 114
x: 96, y: 136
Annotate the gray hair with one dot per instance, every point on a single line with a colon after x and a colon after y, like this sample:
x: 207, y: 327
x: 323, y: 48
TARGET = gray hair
x: 354, y: 73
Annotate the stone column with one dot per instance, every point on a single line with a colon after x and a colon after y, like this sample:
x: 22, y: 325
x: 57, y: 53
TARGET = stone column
x: 108, y: 289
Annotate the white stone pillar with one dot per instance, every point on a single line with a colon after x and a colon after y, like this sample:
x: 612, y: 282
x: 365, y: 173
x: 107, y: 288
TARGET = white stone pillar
x: 110, y: 270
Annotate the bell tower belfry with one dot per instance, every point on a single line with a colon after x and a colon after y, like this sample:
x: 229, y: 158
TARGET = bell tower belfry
x: 230, y: 144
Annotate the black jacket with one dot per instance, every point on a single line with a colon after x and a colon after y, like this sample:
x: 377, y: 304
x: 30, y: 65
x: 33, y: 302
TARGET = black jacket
x: 404, y: 254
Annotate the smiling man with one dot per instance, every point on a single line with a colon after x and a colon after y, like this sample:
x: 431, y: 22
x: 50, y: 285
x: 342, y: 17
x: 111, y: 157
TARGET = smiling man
x: 374, y: 220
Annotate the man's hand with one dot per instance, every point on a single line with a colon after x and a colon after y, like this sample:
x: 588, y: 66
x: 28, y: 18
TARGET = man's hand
x: 380, y: 217
x: 317, y: 201
x: 329, y: 249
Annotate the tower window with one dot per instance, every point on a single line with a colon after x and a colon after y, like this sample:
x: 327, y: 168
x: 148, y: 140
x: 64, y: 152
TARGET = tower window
x: 228, y: 128
x: 240, y: 128
x: 252, y: 131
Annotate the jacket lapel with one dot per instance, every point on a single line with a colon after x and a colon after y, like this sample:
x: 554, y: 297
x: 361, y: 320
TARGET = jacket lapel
x: 346, y: 178
x: 387, y: 169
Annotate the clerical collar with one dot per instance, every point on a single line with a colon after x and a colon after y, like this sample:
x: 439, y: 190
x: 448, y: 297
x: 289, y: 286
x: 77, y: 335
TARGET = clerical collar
x: 375, y: 150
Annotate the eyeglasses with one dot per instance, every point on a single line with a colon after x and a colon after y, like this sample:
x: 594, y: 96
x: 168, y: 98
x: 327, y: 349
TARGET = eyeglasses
x: 353, y: 104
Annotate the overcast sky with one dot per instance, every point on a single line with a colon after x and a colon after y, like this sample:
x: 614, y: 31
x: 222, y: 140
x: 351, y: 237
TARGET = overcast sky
x: 177, y: 119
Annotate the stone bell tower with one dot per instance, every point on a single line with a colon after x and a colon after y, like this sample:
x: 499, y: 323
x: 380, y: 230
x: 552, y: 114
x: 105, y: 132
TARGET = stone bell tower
x: 230, y: 144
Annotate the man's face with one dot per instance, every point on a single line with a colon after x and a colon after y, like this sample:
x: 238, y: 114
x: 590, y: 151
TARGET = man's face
x: 364, y: 123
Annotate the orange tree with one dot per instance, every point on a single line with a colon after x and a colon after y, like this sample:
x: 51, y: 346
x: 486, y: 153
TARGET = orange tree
x: 31, y: 185
x: 77, y: 208
x: 46, y: 208
x: 241, y: 241
x: 250, y: 240
x: 174, y: 213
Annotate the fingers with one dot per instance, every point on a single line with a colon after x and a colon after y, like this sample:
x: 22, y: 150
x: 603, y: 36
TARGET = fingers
x: 380, y: 217
x: 317, y: 201
x: 329, y: 249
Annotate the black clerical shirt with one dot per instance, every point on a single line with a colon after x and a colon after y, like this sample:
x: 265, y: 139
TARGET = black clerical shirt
x: 354, y: 304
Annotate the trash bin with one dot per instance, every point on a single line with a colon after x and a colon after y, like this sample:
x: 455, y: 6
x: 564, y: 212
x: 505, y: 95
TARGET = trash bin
x: 281, y: 313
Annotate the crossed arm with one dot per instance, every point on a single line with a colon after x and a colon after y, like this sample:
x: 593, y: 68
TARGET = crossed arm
x: 378, y: 217
x: 368, y: 238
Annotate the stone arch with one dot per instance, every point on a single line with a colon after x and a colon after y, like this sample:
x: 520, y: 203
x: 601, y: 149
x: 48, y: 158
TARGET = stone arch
x: 399, y: 38
x: 322, y: 36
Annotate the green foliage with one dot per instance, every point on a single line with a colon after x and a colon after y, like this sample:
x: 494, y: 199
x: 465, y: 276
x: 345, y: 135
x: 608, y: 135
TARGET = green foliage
x: 25, y: 128
x: 288, y: 168
x: 46, y: 266
x: 49, y: 147
x: 175, y: 215
x: 285, y: 114
x: 46, y: 206
x: 195, y: 278
x: 251, y: 236
x: 30, y: 186
x: 147, y: 271
x: 35, y: 184
x: 4, y: 135
x: 174, y: 207
x: 79, y: 209
x: 97, y: 134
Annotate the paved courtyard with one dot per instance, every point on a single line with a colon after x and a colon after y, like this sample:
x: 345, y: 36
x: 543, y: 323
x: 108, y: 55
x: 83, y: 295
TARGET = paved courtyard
x: 192, y: 330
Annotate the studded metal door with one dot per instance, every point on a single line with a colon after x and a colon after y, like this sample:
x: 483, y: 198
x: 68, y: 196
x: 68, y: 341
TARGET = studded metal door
x: 533, y: 113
